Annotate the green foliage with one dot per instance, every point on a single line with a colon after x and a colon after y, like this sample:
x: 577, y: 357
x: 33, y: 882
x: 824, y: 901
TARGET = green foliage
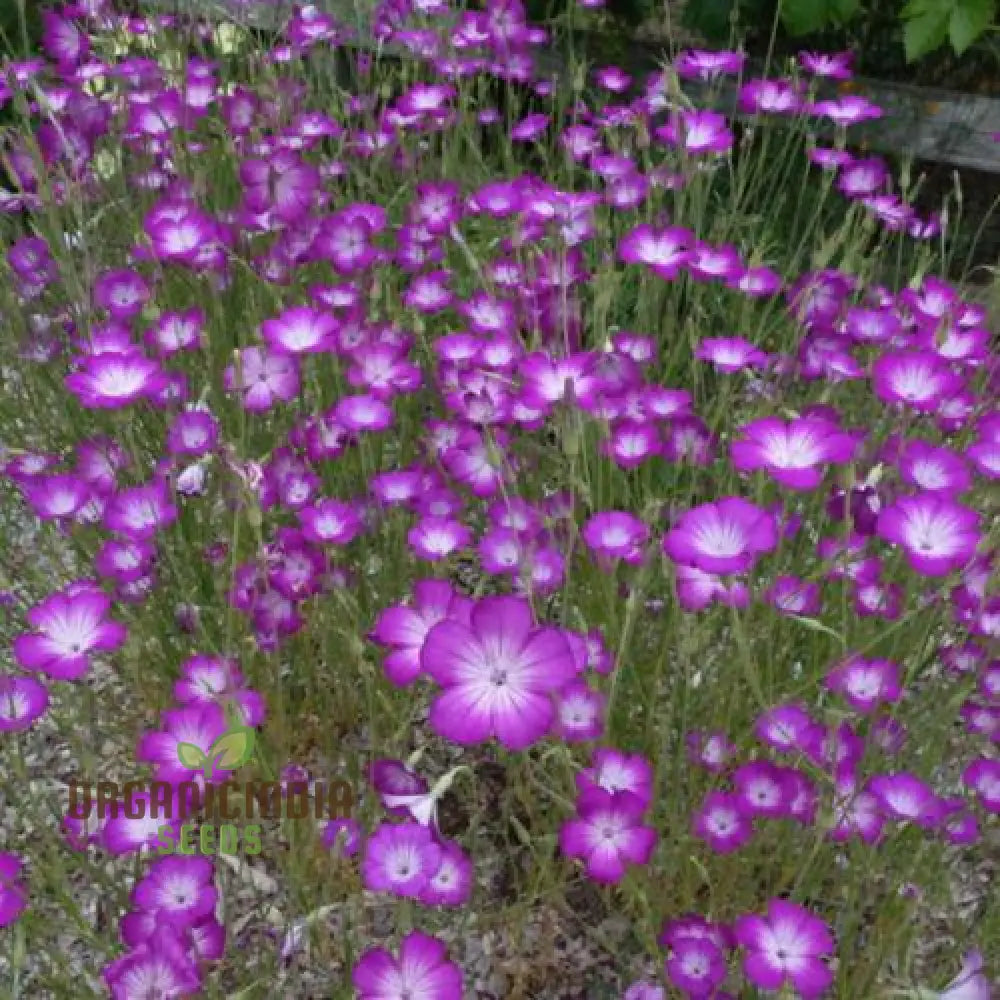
x: 801, y: 17
x: 925, y: 25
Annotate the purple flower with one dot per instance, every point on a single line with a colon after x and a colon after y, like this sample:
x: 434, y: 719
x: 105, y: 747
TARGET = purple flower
x: 983, y: 777
x: 663, y: 251
x: 917, y: 379
x: 178, y: 890
x: 761, y: 788
x: 400, y: 858
x: 970, y: 983
x: 938, y: 535
x: 829, y: 65
x: 608, y: 834
x: 796, y: 453
x: 264, y: 378
x: 161, y: 966
x: 199, y: 725
x: 723, y: 823
x: 342, y: 836
x: 616, y: 535
x: 934, y: 469
x: 722, y: 537
x: 786, y: 945
x: 730, y: 354
x: 22, y: 701
x: 13, y: 896
x: 906, y: 798
x: 499, y: 672
x: 451, y: 884
x: 865, y: 684
x: 403, y: 628
x: 68, y: 629
x: 579, y: 712
x: 330, y: 522
x: 615, y: 771
x: 696, y: 966
x: 111, y: 379
x: 422, y: 970
x: 300, y: 330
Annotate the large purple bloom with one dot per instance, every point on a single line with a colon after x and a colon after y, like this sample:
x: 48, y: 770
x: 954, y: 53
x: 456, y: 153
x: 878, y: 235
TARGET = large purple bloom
x: 421, y: 971
x: 794, y: 454
x: 499, y: 672
x: 937, y: 534
x: 722, y: 537
x: 69, y: 628
x: 787, y: 945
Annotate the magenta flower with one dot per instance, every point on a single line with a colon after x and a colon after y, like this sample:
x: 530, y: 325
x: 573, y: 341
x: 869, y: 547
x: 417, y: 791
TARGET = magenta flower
x: 906, y: 798
x: 330, y: 522
x: 160, y: 966
x: 13, y: 896
x: 421, y: 971
x: 796, y: 453
x: 198, y: 724
x: 664, y: 251
x: 723, y: 822
x: 436, y: 538
x: 730, y: 354
x: 971, y: 982
x: 68, y: 629
x: 400, y: 858
x: 300, y: 330
x: 499, y: 672
x: 829, y: 65
x: 696, y: 966
x: 791, y: 596
x: 608, y: 834
x: 917, y: 379
x: 342, y: 836
x: 264, y: 378
x: 865, y: 684
x: 934, y: 469
x: 615, y: 771
x: 579, y: 712
x: 363, y: 413
x: 616, y: 535
x: 138, y: 512
x: 111, y: 379
x: 697, y: 590
x: 178, y: 890
x: 983, y: 777
x: 704, y: 65
x: 451, y: 884
x: 403, y: 628
x: 57, y: 496
x: 937, y: 534
x: 786, y: 946
x: 22, y: 701
x: 121, y: 834
x: 722, y: 537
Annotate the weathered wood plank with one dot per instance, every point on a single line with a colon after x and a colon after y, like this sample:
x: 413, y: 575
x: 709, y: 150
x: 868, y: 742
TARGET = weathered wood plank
x: 928, y: 124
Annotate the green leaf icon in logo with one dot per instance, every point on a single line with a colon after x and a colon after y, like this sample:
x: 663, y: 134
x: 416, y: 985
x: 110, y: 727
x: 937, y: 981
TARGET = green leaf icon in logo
x: 191, y: 756
x: 232, y: 749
